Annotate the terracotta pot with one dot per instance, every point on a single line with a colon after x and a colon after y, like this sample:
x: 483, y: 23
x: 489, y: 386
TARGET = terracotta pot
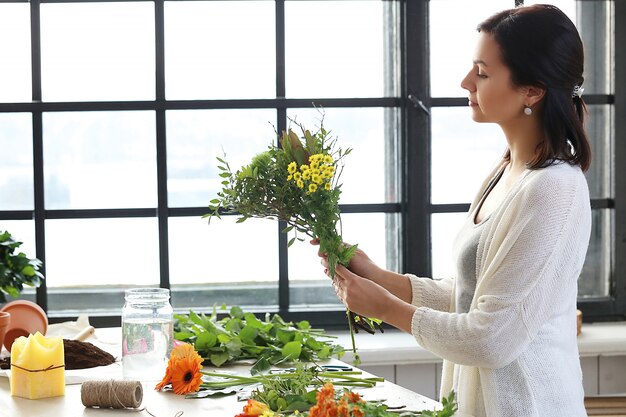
x: 26, y: 318
x: 5, y: 319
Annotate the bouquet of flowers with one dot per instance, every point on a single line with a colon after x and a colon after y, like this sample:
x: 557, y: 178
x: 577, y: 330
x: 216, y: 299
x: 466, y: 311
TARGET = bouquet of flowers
x: 296, y: 182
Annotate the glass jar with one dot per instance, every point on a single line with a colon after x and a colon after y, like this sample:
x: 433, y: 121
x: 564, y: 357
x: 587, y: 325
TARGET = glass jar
x: 147, y: 326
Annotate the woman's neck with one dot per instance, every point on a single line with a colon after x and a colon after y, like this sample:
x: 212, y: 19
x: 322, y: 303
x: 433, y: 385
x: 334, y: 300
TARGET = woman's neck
x: 523, y: 135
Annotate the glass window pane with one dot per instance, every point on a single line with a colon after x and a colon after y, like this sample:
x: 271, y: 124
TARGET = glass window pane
x: 600, y: 130
x: 463, y: 154
x: 334, y: 48
x: 16, y: 161
x: 453, y: 39
x: 595, y: 278
x: 220, y: 49
x: 95, y: 254
x: 15, y: 64
x: 196, y: 137
x: 371, y: 171
x: 308, y: 283
x: 444, y: 228
x: 223, y: 262
x: 99, y: 160
x: 97, y: 51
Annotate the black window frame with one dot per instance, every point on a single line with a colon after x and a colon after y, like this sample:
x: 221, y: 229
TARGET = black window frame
x: 414, y: 104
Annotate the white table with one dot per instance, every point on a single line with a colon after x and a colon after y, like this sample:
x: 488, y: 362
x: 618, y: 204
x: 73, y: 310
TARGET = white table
x: 165, y: 404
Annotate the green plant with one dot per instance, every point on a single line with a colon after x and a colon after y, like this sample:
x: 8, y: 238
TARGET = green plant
x: 240, y: 336
x: 16, y: 269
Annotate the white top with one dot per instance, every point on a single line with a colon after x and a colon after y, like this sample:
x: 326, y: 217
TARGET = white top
x: 516, y: 349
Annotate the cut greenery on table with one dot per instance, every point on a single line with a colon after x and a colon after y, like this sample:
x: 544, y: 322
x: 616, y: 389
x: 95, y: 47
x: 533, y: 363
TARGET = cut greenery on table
x: 283, y: 389
x: 324, y: 401
x: 296, y: 182
x: 242, y: 336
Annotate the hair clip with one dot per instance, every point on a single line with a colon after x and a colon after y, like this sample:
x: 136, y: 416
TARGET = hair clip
x: 578, y: 91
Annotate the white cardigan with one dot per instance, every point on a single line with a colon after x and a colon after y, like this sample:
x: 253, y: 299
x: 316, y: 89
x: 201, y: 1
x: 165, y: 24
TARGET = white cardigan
x: 517, y: 345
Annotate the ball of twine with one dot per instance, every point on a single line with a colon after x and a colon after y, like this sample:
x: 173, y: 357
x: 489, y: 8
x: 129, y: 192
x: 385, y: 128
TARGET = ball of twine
x: 111, y: 394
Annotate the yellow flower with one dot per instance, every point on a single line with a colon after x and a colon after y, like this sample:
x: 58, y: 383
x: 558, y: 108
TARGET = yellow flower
x: 325, y: 174
x: 290, y: 177
x: 254, y: 409
x: 328, y: 159
x: 327, y: 186
x: 314, y: 165
x: 312, y: 188
x: 315, y: 172
x: 297, y: 176
x: 331, y: 169
x: 317, y: 157
x: 292, y: 167
x: 317, y: 179
x: 300, y: 184
x: 306, y: 174
x: 304, y: 168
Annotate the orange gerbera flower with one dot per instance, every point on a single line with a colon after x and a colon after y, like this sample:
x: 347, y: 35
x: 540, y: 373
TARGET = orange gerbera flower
x: 254, y: 409
x: 186, y: 376
x: 183, y: 370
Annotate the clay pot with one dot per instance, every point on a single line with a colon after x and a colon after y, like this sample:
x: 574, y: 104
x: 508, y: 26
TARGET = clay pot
x: 5, y: 319
x: 26, y: 318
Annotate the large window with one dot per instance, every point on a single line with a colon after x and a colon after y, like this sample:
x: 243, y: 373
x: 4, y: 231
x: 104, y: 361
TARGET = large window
x: 112, y: 114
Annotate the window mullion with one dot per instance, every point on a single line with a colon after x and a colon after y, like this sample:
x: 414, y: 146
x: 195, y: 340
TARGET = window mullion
x: 416, y: 139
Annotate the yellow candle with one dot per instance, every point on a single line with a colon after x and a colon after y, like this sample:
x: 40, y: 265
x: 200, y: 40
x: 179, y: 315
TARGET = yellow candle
x: 37, y: 367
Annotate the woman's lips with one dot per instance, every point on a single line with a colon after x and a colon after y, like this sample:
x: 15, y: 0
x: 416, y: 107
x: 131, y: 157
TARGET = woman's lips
x: 472, y: 103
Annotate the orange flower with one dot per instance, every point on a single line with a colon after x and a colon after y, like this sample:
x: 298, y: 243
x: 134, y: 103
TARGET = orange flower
x: 183, y: 370
x: 254, y: 409
x: 357, y: 412
x: 186, y: 376
x: 326, y: 406
x: 352, y: 397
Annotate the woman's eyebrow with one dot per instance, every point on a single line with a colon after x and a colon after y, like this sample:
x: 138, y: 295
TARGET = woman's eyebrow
x: 480, y: 61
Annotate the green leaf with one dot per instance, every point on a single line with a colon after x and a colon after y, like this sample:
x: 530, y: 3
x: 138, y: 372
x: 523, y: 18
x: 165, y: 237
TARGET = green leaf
x: 260, y: 367
x: 304, y: 325
x: 248, y: 334
x: 293, y: 239
x: 292, y: 350
x: 205, y: 341
x: 285, y: 335
x: 182, y: 336
x: 236, y: 312
x: 224, y: 174
x: 29, y: 271
x: 253, y: 321
x: 218, y: 359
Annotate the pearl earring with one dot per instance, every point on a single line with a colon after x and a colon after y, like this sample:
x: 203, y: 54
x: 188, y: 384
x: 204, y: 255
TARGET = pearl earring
x: 528, y: 111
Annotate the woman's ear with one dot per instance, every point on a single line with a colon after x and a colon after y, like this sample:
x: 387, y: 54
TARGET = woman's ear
x: 533, y: 95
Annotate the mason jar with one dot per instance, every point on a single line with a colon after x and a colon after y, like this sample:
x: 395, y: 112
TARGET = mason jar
x: 147, y: 327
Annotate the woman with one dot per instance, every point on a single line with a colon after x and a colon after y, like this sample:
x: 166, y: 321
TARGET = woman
x: 506, y: 325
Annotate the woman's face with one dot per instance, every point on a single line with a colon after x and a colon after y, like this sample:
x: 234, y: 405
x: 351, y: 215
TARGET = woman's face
x: 492, y: 96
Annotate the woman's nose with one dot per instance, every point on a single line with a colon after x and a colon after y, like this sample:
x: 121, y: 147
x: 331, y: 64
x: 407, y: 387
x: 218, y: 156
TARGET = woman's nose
x: 467, y: 82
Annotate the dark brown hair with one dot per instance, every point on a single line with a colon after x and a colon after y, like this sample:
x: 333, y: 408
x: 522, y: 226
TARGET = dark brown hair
x: 542, y: 48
